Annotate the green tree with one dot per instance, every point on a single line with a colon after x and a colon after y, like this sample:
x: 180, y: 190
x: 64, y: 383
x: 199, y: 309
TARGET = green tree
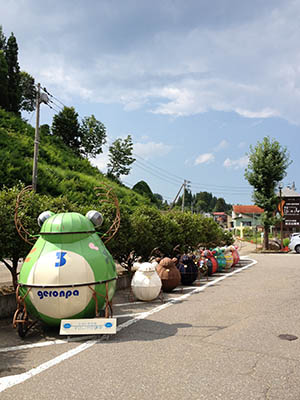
x: 220, y: 205
x: 213, y: 203
x: 92, y: 136
x: 2, y: 39
x: 143, y: 188
x: 120, y: 157
x: 203, y: 200
x: 65, y: 125
x: 14, y: 90
x: 159, y: 200
x: 3, y: 72
x: 267, y: 166
x: 28, y: 92
x: 3, y: 80
x: 45, y: 130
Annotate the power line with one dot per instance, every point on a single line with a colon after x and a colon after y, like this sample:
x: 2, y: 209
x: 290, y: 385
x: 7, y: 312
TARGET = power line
x: 151, y: 171
x: 56, y: 105
x: 156, y: 175
x: 53, y: 108
x: 221, y: 186
x: 178, y: 178
x: 51, y: 95
x: 220, y: 190
x: 159, y: 171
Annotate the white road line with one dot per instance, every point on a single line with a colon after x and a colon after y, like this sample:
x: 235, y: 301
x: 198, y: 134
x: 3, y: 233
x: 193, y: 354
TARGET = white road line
x: 9, y: 381
x: 127, y: 304
x: 126, y: 315
x: 44, y: 344
x: 13, y: 380
x: 184, y: 288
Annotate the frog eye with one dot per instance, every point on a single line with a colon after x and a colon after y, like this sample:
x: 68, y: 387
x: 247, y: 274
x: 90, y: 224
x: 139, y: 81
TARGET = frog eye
x: 95, y: 217
x: 45, y: 215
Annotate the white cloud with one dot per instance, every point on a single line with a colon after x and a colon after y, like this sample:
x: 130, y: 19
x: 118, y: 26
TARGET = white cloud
x: 151, y: 149
x: 242, y: 58
x: 222, y: 145
x: 265, y: 113
x: 101, y: 161
x: 205, y: 158
x: 236, y: 164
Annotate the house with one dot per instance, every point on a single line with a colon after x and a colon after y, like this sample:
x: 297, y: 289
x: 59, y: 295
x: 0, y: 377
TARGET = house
x: 220, y: 218
x: 246, y: 216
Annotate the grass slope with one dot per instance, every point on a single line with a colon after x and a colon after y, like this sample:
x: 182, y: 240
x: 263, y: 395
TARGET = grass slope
x: 60, y: 171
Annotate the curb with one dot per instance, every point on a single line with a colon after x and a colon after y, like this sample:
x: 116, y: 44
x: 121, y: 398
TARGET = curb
x: 8, y: 303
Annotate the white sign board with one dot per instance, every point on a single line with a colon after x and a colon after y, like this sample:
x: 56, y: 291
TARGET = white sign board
x: 88, y: 326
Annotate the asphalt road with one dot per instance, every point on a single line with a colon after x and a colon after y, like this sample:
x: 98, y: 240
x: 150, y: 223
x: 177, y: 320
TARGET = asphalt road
x: 222, y: 341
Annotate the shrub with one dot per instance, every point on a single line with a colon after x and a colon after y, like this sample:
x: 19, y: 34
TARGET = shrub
x: 12, y: 246
x: 286, y: 242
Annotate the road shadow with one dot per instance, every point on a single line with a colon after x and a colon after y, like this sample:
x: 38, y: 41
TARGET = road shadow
x: 148, y: 330
x: 11, y: 363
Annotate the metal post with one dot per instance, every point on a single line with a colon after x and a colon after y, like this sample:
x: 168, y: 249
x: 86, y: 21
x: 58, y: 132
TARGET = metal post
x: 36, y: 138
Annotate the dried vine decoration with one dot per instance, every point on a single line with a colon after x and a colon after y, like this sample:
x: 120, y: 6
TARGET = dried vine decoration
x: 18, y: 223
x: 107, y: 195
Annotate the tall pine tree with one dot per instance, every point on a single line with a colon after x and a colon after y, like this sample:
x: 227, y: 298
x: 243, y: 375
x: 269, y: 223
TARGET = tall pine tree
x: 3, y: 81
x: 2, y: 39
x: 3, y: 72
x: 14, y: 89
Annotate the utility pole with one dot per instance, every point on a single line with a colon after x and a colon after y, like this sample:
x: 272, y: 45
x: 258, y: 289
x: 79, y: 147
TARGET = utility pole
x: 183, y: 196
x: 36, y: 137
x: 174, y: 201
x: 39, y: 99
x: 185, y: 185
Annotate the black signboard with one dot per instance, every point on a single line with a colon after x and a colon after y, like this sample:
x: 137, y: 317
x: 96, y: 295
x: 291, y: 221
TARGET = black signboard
x: 291, y: 211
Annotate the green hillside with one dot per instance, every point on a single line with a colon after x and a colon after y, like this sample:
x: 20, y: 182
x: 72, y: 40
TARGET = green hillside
x: 60, y: 171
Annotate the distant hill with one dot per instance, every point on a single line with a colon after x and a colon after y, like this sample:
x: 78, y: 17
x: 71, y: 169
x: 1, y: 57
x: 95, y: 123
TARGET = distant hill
x: 60, y: 171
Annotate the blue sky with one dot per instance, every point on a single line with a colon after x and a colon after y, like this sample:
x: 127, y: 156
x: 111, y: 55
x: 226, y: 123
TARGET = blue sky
x: 194, y: 82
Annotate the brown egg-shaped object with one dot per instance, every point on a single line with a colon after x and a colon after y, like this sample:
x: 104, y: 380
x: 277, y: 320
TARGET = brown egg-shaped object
x: 169, y: 274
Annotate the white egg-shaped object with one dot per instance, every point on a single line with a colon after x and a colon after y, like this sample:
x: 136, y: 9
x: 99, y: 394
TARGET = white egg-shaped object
x: 146, y: 284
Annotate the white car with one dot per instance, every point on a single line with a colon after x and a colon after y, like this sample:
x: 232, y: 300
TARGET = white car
x: 295, y: 242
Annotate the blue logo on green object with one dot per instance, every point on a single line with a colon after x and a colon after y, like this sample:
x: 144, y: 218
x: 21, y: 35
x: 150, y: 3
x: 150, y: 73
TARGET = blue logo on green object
x: 108, y: 325
x: 67, y: 326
